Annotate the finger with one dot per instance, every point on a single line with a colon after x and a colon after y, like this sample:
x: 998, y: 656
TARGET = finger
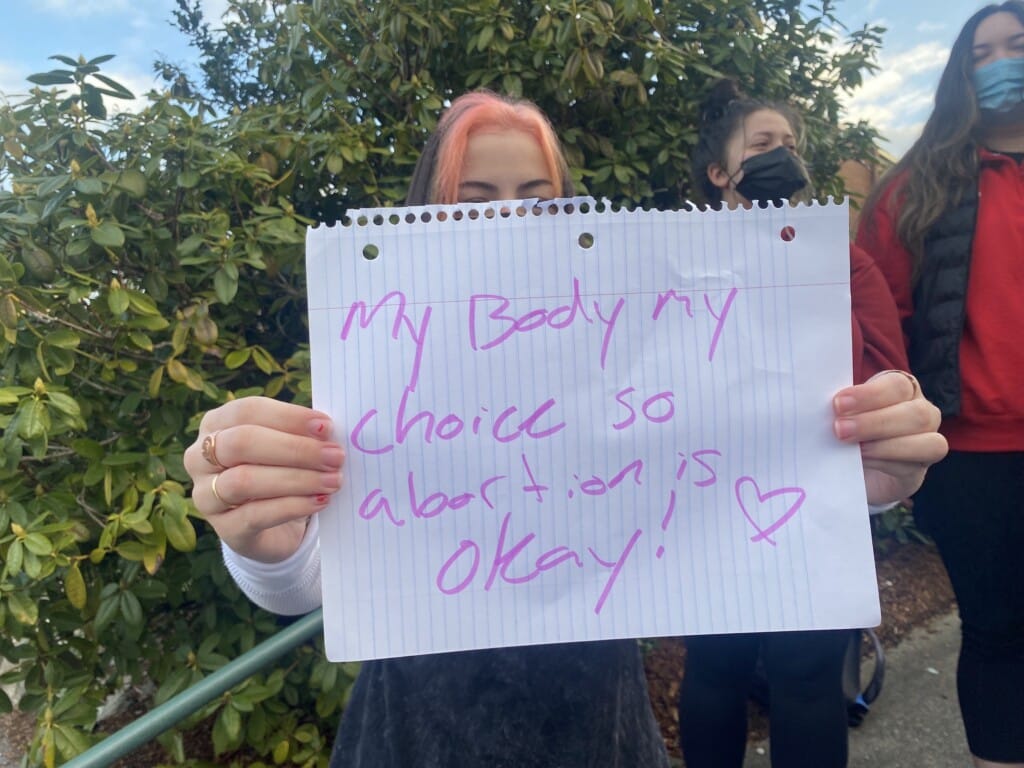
x: 882, y: 390
x: 904, y: 418
x: 270, y: 413
x: 922, y: 449
x: 261, y: 445
x: 247, y: 483
x: 885, y: 488
x: 266, y: 531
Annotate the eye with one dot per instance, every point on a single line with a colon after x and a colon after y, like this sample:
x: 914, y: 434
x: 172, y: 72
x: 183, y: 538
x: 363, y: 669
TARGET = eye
x: 474, y: 200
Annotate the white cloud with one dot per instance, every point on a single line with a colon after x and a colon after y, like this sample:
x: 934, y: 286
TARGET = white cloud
x: 138, y: 84
x: 927, y: 27
x: 12, y: 80
x: 897, y: 98
x: 213, y: 10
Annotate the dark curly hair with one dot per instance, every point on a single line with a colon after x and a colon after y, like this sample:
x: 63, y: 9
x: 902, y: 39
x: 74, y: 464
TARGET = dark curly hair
x: 722, y: 113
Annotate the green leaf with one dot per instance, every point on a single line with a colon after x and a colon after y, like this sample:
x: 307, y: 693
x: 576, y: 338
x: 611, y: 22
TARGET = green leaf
x: 236, y: 358
x: 117, y: 89
x: 53, y: 77
x: 33, y: 421
x: 118, y: 301
x: 190, y: 245
x: 264, y: 361
x: 141, y: 340
x: 180, y: 533
x: 188, y: 179
x: 143, y: 304
x: 50, y: 185
x: 131, y: 550
x: 74, y: 586
x: 64, y: 403
x: 108, y: 234
x: 131, y: 181
x: 131, y: 609
x: 89, y: 186
x: 11, y: 395
x: 280, y: 753
x: 64, y: 60
x: 225, y: 285
x: 106, y: 612
x: 232, y: 723
x: 70, y: 741
x: 124, y: 459
x: 23, y: 608
x: 15, y: 558
x: 64, y: 338
x: 87, y: 448
x: 92, y: 98
x: 37, y: 544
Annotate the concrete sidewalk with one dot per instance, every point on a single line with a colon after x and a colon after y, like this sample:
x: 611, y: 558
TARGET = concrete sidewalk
x: 915, y: 721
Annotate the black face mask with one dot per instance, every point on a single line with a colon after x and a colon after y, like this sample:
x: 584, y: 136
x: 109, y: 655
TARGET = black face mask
x: 771, y: 177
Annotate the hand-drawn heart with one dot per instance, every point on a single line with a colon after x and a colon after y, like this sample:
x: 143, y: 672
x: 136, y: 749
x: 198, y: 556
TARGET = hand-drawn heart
x: 764, y: 534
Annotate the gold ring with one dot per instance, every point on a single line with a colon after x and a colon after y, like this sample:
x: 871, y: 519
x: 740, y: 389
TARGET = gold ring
x: 213, y: 487
x: 210, y: 449
x: 909, y: 376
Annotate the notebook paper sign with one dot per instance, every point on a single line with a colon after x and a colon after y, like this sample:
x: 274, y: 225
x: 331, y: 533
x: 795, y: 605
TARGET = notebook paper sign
x: 565, y: 424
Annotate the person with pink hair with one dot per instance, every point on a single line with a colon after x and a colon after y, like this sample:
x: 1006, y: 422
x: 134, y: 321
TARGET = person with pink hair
x: 579, y: 704
x: 263, y: 469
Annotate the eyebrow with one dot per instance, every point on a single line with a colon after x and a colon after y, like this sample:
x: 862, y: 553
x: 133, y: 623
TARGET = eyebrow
x: 986, y: 47
x: 768, y: 135
x: 488, y: 187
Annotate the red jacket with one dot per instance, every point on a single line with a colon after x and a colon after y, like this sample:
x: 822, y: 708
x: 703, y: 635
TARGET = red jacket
x: 877, y: 343
x: 991, y: 414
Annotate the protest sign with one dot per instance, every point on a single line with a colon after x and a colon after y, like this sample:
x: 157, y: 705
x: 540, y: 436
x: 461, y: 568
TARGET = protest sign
x: 567, y: 424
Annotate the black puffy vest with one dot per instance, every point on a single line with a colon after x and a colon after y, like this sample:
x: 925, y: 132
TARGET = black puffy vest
x: 940, y: 303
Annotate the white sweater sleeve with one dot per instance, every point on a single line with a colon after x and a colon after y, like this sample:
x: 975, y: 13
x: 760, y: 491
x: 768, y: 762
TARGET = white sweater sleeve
x: 290, y: 587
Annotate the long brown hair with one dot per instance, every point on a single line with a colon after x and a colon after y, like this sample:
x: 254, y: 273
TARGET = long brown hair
x: 942, y: 165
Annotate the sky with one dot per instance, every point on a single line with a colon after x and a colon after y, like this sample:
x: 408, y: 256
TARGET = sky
x: 896, y: 99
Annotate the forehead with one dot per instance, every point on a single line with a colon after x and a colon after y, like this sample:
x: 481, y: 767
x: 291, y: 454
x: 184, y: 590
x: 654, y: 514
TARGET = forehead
x: 997, y: 28
x: 767, y: 121
x: 503, y: 154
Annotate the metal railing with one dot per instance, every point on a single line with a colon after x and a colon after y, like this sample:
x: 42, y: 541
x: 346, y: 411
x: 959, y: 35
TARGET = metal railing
x: 163, y: 717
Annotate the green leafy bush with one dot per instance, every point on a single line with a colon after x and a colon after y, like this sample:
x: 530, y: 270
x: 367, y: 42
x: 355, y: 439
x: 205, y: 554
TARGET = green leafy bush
x: 151, y: 268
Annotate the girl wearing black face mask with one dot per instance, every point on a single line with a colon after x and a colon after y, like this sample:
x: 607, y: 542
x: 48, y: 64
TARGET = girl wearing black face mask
x: 746, y: 155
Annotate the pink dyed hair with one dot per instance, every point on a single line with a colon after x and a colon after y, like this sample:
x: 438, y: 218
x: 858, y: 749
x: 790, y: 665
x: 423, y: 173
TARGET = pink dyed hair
x: 482, y: 111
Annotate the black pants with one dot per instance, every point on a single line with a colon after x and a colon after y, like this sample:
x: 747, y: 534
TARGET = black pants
x: 807, y: 712
x: 972, y: 504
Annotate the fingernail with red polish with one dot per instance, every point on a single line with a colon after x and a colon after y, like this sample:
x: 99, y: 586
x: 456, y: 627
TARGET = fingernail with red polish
x: 319, y: 427
x: 321, y: 499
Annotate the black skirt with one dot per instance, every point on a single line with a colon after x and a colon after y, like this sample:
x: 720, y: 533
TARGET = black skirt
x: 557, y: 706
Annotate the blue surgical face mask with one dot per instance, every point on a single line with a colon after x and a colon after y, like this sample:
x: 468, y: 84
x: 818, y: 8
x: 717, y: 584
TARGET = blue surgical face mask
x: 1000, y: 85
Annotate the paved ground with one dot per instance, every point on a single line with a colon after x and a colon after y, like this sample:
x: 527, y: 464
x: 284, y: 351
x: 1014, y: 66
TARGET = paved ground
x: 916, y: 721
